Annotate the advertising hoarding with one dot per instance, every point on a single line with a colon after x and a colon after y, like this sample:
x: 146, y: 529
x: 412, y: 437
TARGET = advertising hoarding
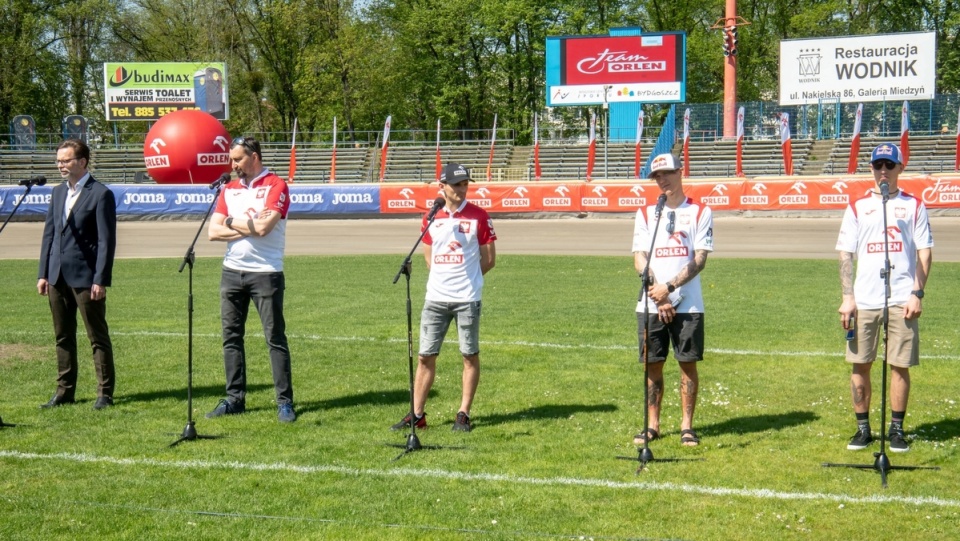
x: 149, y: 90
x: 591, y: 70
x: 851, y: 69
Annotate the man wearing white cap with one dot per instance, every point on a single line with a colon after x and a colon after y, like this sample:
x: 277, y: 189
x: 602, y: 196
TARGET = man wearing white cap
x: 909, y: 242
x: 674, y: 295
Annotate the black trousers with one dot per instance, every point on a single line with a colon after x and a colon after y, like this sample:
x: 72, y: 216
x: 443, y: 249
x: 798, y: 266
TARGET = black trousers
x: 65, y: 302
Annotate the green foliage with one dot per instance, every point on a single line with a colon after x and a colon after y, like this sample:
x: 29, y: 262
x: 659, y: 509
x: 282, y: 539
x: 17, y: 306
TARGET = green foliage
x: 460, y: 61
x: 560, y: 398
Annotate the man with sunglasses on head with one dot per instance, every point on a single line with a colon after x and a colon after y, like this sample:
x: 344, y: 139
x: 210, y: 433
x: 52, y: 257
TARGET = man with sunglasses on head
x: 674, y: 295
x: 909, y: 242
x: 250, y: 216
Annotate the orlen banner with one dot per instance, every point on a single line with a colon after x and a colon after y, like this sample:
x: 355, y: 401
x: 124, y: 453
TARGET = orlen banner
x: 888, y: 67
x: 590, y: 70
x: 149, y: 90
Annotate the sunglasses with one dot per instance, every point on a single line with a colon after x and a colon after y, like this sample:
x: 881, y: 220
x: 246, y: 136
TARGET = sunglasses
x: 248, y: 143
x: 671, y: 222
x: 880, y: 164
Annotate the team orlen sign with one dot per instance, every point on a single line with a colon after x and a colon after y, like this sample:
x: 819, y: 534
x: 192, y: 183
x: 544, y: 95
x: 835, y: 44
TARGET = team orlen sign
x: 590, y: 70
x: 853, y: 69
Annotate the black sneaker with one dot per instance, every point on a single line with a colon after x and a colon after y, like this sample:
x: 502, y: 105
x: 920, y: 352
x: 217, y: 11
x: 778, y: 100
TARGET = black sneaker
x: 897, y: 443
x: 860, y: 440
x: 405, y: 422
x: 226, y: 407
x: 462, y: 424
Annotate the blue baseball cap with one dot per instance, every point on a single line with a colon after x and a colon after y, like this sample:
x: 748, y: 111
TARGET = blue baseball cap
x: 886, y: 151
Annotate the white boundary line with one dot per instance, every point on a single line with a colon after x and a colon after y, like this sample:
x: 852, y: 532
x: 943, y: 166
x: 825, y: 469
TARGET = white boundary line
x: 762, y: 493
x: 522, y: 343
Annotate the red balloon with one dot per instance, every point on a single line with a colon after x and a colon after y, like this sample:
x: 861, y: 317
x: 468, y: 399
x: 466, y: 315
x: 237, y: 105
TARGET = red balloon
x: 187, y: 147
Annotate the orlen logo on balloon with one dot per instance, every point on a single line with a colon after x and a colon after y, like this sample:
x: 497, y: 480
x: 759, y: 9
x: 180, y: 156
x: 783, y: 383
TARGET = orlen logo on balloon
x: 208, y: 158
x: 212, y: 159
x: 162, y: 160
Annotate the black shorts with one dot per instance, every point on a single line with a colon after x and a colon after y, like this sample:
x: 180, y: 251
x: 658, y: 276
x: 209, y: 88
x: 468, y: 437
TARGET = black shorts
x: 685, y: 332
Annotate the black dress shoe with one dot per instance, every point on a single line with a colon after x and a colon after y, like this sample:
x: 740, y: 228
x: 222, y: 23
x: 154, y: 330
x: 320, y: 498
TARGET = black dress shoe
x: 102, y: 402
x: 57, y: 400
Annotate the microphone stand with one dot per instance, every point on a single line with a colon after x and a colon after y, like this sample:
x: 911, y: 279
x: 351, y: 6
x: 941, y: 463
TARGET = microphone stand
x: 26, y: 192
x: 190, y: 431
x: 881, y: 463
x: 413, y: 442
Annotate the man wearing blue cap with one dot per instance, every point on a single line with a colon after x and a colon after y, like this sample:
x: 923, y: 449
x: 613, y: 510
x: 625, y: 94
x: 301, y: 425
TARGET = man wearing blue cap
x: 909, y: 242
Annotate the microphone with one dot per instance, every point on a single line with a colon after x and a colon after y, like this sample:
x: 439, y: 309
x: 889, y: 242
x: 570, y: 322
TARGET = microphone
x: 35, y: 181
x: 224, y: 178
x: 437, y: 205
x: 885, y: 190
x: 661, y: 201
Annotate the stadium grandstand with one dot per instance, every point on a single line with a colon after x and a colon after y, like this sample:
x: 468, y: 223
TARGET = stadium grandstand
x: 820, y: 143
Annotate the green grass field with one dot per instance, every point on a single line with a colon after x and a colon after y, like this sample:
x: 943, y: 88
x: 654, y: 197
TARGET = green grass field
x: 559, y: 400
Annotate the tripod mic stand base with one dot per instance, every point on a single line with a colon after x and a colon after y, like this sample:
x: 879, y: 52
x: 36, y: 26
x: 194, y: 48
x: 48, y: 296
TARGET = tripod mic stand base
x: 645, y: 456
x: 881, y: 464
x: 413, y: 443
x: 190, y: 434
x: 5, y: 425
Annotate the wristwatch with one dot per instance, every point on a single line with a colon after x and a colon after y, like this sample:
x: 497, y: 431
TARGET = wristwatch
x: 671, y: 288
x: 918, y: 293
x: 229, y: 222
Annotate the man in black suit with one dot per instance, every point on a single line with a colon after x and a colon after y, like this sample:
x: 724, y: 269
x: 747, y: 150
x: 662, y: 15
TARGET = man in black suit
x: 76, y: 265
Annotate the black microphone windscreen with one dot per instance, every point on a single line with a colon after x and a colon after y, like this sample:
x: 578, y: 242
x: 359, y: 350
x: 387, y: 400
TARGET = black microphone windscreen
x: 884, y: 189
x: 661, y: 201
x: 439, y: 202
x: 41, y: 180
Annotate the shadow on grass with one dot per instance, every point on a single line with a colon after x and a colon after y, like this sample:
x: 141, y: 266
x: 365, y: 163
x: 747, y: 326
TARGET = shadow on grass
x: 371, y: 398
x: 942, y: 430
x: 759, y: 423
x: 549, y: 411
x: 206, y: 391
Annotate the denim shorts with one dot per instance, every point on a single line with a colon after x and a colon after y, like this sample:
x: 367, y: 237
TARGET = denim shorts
x: 435, y: 321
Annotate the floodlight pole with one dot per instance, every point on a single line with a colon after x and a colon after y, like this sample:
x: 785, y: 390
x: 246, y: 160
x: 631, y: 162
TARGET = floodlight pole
x: 606, y: 129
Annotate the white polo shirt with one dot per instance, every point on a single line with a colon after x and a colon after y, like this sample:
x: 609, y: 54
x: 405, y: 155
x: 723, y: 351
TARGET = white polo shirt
x: 862, y: 233
x: 242, y: 201
x: 692, y: 231
x: 455, y: 274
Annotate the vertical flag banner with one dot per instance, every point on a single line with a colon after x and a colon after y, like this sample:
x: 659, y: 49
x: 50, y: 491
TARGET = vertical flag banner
x: 293, y: 154
x: 686, y: 143
x: 333, y: 156
x: 740, y: 119
x: 905, y: 133
x: 636, y: 151
x: 384, y: 148
x: 439, y: 165
x: 855, y: 142
x: 786, y: 143
x: 537, y: 173
x: 956, y: 165
x: 592, y: 148
x: 493, y: 141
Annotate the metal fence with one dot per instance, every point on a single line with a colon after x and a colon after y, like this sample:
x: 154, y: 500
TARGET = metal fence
x: 827, y: 119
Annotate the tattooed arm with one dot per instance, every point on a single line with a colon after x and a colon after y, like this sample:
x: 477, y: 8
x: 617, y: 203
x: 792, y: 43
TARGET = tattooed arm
x: 848, y: 307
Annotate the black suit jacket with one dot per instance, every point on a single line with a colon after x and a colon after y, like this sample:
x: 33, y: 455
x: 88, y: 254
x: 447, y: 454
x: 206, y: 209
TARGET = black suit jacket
x: 82, y: 248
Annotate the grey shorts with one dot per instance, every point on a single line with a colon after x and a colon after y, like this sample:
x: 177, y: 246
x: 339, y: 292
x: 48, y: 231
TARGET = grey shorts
x: 435, y: 321
x: 685, y: 331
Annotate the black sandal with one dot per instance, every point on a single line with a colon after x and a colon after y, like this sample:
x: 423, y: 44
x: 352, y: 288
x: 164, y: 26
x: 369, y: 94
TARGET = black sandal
x: 641, y: 438
x: 689, y: 438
